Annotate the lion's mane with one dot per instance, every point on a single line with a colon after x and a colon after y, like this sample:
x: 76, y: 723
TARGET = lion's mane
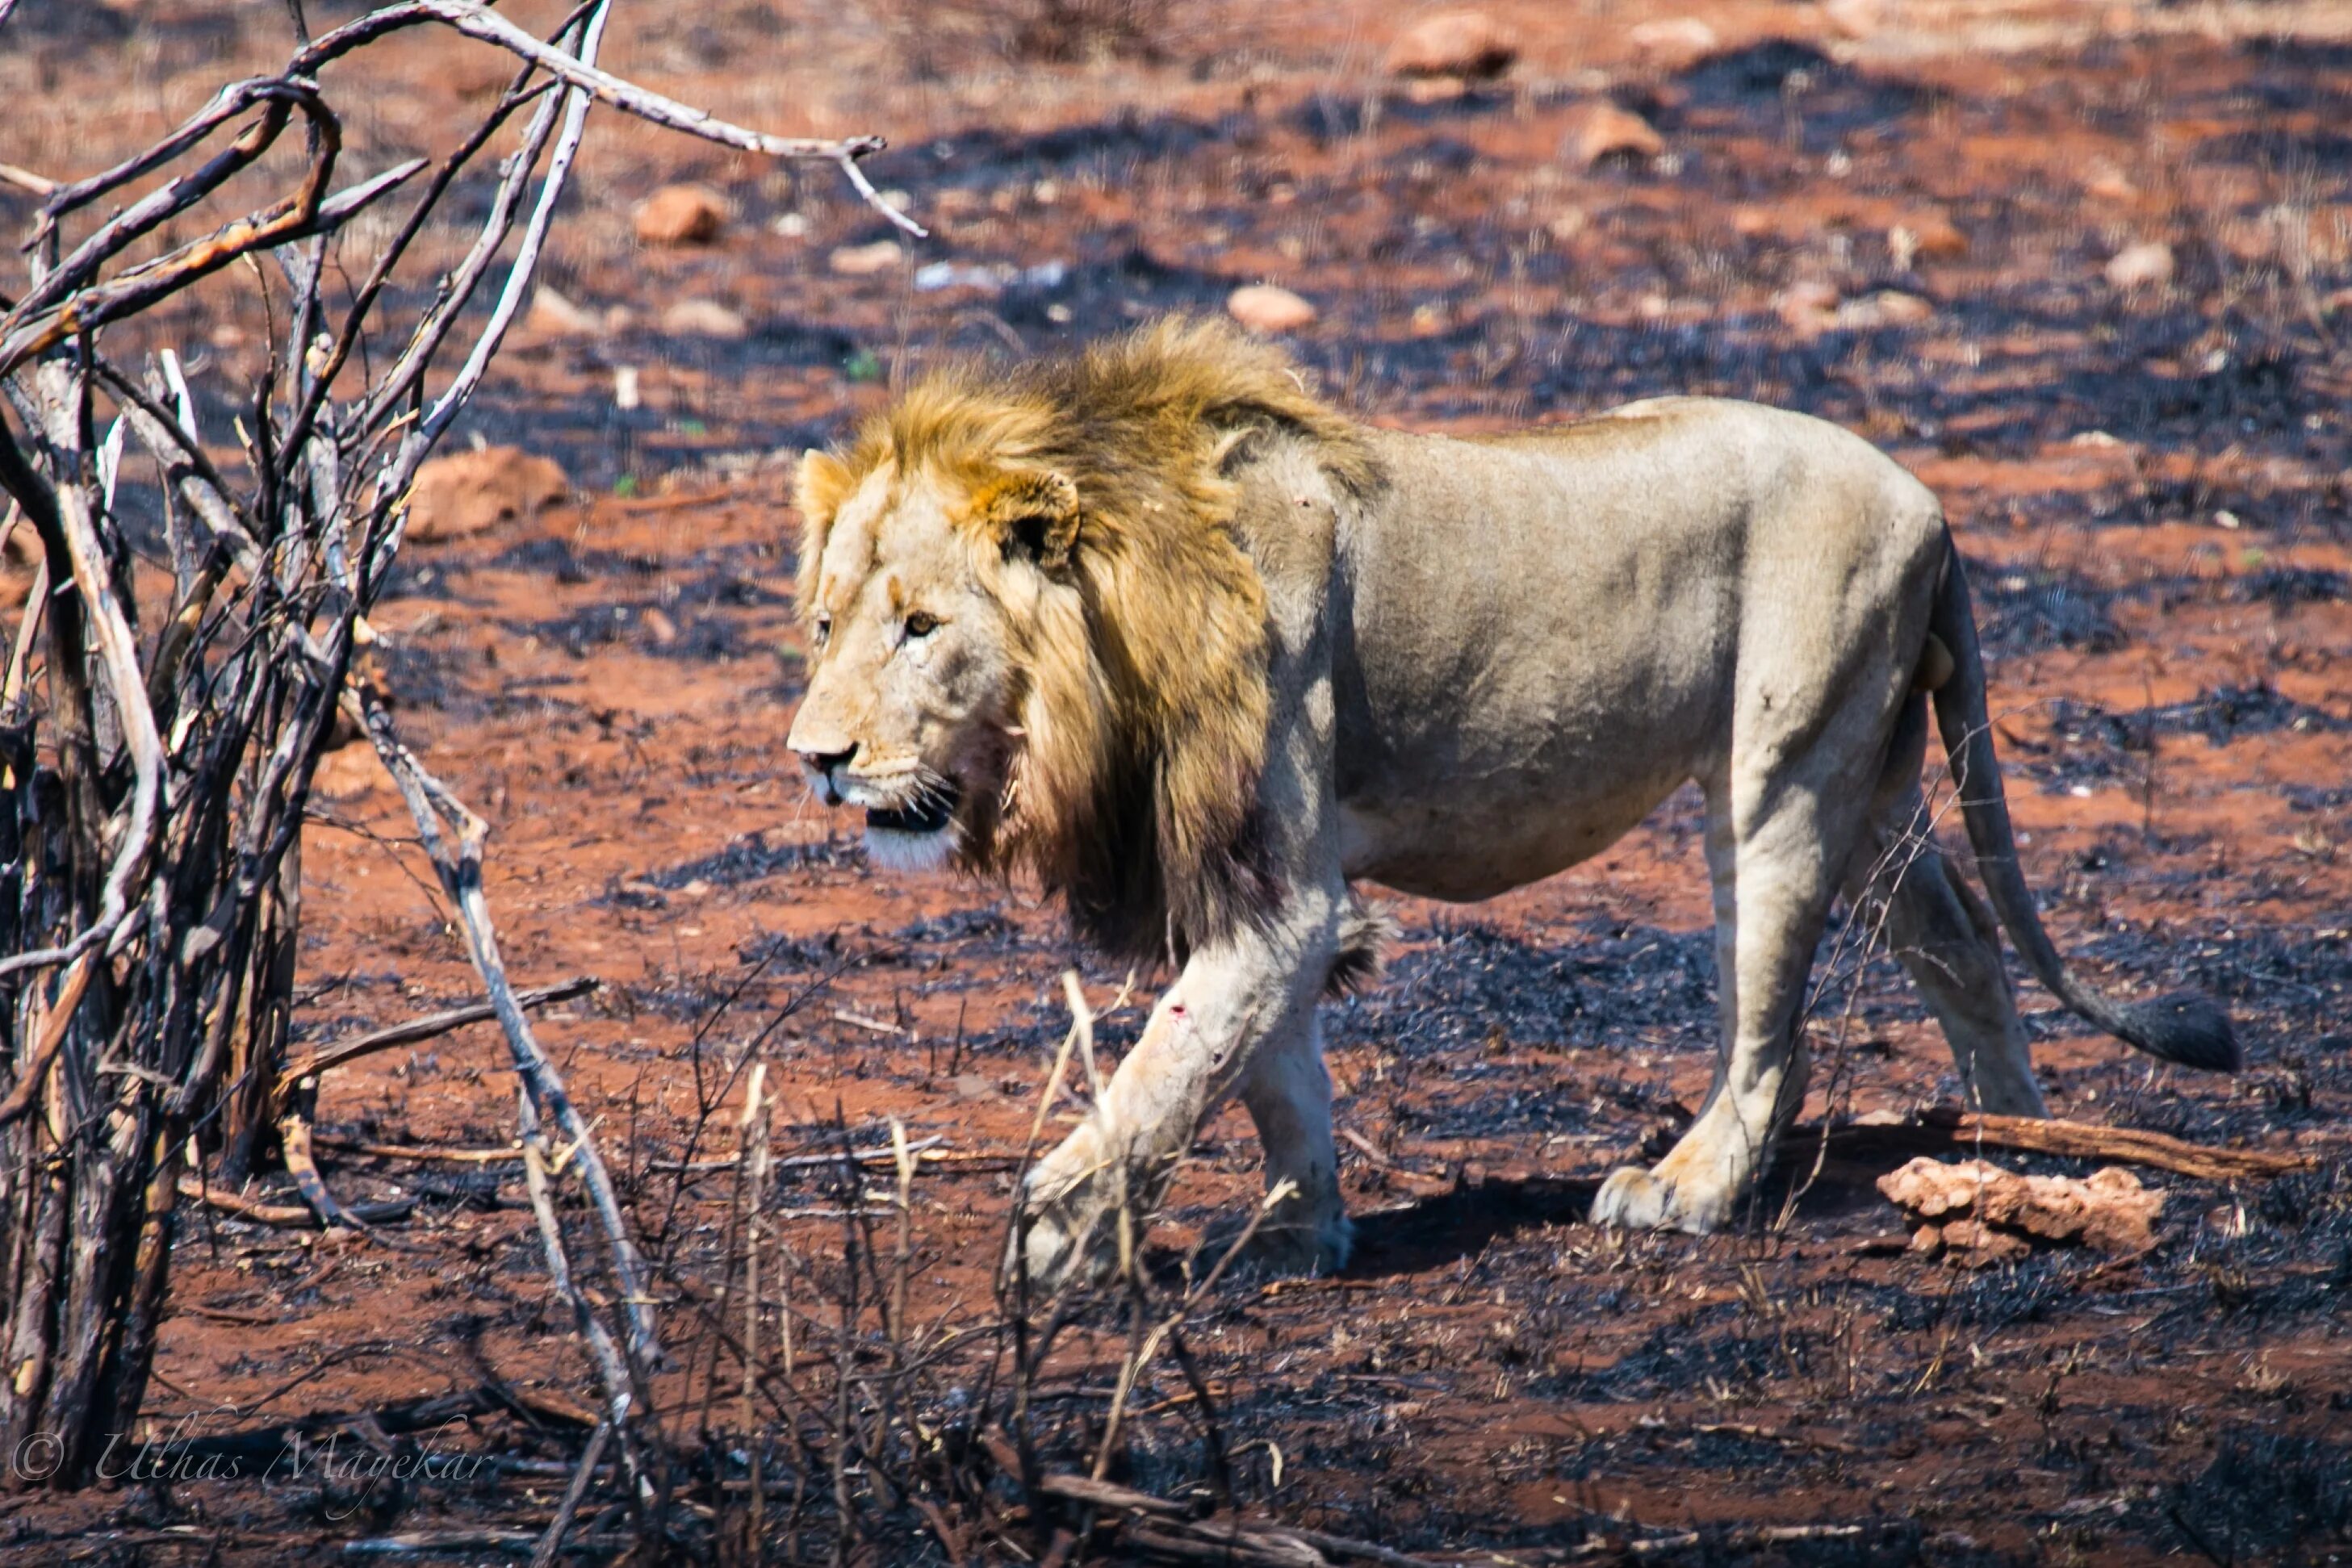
x: 1143, y: 723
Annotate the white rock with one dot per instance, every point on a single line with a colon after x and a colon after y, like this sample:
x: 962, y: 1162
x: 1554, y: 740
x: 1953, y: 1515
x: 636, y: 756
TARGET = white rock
x: 1268, y: 307
x: 704, y: 318
x: 2146, y: 264
x: 865, y: 260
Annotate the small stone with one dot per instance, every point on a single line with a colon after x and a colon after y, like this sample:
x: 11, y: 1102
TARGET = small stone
x: 1854, y: 18
x: 704, y: 318
x: 2146, y: 264
x: 1887, y: 308
x: 865, y: 260
x: 1807, y: 308
x: 1570, y: 223
x: 1454, y: 44
x: 2108, y: 182
x: 1673, y: 42
x: 1925, y: 236
x: 660, y: 628
x: 681, y: 215
x: 470, y: 492
x: 553, y: 315
x: 1603, y: 130
x: 1267, y: 308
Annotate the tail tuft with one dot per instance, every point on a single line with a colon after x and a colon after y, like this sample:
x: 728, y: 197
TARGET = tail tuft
x: 2185, y: 1027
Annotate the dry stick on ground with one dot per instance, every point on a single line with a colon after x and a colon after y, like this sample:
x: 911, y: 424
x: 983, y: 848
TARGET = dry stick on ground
x: 419, y: 1029
x: 550, y: 1545
x: 287, y: 1215
x: 1950, y: 1130
x: 622, y: 1386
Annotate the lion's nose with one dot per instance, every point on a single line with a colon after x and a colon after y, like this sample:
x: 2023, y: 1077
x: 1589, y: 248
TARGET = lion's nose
x: 823, y: 763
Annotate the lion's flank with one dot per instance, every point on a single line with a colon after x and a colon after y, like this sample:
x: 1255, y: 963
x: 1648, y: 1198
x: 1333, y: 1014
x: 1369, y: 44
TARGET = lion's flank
x: 1143, y: 728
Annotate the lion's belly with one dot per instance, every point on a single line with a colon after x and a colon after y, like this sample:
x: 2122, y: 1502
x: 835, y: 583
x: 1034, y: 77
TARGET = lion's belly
x: 1466, y: 843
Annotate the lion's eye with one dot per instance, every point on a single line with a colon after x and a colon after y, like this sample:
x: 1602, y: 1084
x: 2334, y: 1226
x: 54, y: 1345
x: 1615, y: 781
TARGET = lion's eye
x: 824, y: 630
x: 921, y: 624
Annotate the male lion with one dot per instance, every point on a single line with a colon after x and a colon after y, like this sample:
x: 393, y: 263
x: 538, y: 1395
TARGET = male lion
x: 1201, y: 654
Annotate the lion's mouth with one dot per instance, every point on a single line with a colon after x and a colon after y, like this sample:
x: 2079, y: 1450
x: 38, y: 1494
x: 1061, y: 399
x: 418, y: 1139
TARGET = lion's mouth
x: 928, y: 815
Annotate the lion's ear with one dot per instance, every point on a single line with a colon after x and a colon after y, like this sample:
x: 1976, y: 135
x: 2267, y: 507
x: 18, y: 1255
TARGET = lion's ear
x: 818, y: 488
x: 1036, y: 513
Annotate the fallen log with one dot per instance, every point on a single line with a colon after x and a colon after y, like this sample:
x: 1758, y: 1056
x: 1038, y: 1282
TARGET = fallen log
x: 1945, y: 1129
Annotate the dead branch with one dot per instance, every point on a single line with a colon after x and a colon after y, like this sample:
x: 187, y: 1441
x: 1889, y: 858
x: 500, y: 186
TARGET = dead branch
x: 1947, y: 1130
x: 417, y: 1030
x: 453, y: 837
x: 160, y: 770
x: 290, y: 1216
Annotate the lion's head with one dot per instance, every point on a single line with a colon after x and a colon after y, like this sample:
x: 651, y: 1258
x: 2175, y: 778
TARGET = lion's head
x: 1035, y: 641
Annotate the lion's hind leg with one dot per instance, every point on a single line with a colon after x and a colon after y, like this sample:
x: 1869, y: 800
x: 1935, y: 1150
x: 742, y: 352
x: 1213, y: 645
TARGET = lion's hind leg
x: 1780, y: 832
x: 1903, y: 889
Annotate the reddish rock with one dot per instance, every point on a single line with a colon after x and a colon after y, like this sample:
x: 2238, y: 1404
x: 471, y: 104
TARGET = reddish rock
x: 681, y: 215
x: 1925, y: 236
x: 470, y: 492
x: 1454, y: 44
x: 1975, y: 1212
x: 1603, y: 130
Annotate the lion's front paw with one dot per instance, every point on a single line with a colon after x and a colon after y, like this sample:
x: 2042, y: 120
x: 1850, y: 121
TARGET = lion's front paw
x: 1068, y: 1230
x: 1637, y: 1199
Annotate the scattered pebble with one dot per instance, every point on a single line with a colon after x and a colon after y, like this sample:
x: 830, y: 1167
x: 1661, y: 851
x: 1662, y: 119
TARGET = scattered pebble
x: 2105, y: 180
x: 937, y: 275
x: 2146, y: 264
x: 553, y: 315
x: 1925, y: 236
x: 1672, y: 43
x: 704, y: 318
x: 1454, y: 44
x: 1887, y: 308
x: 471, y: 492
x: 681, y: 215
x: 1603, y: 130
x: 865, y: 260
x: 1268, y: 307
x: 1854, y: 18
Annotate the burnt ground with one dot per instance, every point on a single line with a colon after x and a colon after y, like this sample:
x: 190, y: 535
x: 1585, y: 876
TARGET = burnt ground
x: 2150, y: 484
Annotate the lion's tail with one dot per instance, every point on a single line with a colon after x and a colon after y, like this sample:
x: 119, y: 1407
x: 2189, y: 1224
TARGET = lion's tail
x: 2183, y: 1027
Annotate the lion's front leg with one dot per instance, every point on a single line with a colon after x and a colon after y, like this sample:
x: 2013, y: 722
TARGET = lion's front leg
x: 1202, y: 1042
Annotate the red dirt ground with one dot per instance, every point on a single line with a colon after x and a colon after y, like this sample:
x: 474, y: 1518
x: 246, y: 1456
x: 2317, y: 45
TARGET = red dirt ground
x: 2150, y: 485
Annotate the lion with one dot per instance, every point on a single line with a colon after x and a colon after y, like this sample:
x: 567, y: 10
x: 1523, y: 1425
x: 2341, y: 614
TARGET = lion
x: 1159, y: 627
